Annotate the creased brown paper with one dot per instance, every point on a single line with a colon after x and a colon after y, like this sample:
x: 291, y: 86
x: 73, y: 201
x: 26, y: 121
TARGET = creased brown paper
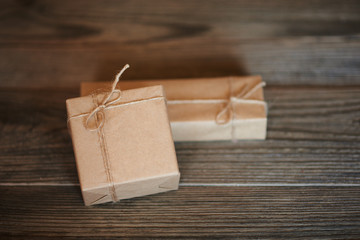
x: 132, y: 154
x: 208, y: 109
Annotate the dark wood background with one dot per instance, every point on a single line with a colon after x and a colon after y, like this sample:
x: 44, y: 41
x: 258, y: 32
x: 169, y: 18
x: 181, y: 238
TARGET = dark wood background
x: 302, y: 182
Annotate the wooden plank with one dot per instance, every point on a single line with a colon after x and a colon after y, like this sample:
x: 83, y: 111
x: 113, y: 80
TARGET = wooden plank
x: 313, y: 138
x: 294, y: 61
x: 256, y: 212
x: 144, y: 22
x: 63, y: 43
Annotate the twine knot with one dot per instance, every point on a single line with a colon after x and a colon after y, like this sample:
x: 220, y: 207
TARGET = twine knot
x: 105, y: 104
x: 228, y: 109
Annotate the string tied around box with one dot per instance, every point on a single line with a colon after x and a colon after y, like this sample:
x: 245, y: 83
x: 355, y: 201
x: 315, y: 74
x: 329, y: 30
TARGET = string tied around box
x: 226, y: 114
x: 98, y: 116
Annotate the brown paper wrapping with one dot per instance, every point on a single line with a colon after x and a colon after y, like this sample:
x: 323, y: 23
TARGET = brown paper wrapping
x: 137, y: 139
x: 194, y: 104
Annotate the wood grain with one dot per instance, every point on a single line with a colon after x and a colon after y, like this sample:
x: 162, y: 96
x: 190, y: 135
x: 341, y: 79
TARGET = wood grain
x: 62, y: 44
x: 141, y: 21
x: 191, y: 212
x: 302, y: 182
x: 313, y: 138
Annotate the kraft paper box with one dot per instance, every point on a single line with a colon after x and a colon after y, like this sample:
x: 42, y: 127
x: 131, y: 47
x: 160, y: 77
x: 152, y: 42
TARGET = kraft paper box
x: 208, y: 109
x: 123, y: 148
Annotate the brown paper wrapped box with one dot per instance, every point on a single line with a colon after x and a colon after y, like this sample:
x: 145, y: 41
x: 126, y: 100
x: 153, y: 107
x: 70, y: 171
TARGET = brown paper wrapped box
x: 126, y: 149
x: 208, y: 109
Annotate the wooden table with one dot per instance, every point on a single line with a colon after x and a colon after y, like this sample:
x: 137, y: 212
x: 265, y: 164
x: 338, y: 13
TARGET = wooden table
x: 302, y: 182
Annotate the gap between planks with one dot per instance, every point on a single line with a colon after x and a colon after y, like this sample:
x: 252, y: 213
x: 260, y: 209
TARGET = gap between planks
x: 209, y: 184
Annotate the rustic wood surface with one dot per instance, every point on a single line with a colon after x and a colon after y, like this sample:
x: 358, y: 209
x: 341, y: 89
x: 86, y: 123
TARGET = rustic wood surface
x: 287, y: 42
x: 302, y: 182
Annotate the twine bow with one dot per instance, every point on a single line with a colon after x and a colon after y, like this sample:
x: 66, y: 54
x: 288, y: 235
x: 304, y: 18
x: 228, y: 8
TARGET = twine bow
x: 243, y: 95
x: 105, y: 103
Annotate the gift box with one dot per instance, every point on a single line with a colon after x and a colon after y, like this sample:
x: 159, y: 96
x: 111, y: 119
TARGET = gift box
x: 123, y: 144
x: 225, y: 108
